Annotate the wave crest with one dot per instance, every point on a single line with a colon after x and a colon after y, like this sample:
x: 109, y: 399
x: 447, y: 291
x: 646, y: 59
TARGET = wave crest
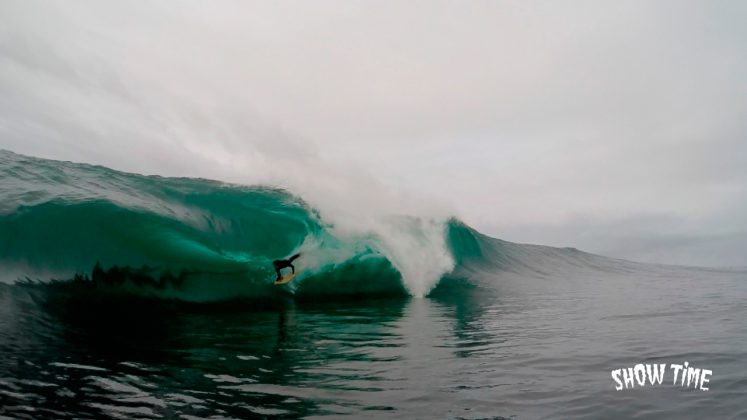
x: 197, y: 239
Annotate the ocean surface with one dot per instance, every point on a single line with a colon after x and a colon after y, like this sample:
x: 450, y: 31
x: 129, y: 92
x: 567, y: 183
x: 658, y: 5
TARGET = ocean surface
x: 130, y: 296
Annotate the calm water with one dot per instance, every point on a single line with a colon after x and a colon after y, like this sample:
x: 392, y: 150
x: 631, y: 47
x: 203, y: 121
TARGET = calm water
x: 503, y: 346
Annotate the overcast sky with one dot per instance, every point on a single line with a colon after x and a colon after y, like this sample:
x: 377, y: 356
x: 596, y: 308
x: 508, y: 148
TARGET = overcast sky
x: 618, y: 127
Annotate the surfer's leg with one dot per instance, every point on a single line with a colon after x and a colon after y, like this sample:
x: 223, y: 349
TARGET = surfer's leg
x: 293, y: 269
x: 277, y: 270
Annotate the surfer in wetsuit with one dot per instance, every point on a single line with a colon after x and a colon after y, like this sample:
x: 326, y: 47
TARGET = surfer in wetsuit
x: 280, y: 264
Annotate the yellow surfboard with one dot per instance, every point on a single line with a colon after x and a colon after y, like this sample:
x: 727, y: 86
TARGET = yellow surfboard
x: 286, y: 279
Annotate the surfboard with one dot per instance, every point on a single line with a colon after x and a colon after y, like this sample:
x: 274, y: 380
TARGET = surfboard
x: 286, y: 279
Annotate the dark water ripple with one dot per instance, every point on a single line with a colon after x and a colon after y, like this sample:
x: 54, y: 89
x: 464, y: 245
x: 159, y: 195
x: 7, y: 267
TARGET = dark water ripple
x: 524, y: 349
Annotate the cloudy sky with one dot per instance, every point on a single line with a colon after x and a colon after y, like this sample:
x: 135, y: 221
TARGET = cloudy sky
x: 617, y: 127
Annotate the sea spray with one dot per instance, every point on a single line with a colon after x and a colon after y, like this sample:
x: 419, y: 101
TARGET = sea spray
x: 61, y: 219
x: 417, y: 248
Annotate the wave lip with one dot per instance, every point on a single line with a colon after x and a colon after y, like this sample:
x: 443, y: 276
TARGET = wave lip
x: 202, y: 240
x: 195, y: 238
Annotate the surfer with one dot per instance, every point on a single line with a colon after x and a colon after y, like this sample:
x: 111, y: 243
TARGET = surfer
x: 280, y: 264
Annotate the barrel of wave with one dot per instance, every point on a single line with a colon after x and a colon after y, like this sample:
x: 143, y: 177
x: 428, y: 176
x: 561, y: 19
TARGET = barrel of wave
x: 416, y: 247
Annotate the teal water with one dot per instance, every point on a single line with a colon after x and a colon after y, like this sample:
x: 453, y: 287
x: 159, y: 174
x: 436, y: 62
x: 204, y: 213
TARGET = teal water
x: 126, y: 296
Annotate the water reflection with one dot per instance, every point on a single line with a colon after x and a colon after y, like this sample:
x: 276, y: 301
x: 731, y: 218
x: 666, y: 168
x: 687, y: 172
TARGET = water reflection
x: 118, y: 356
x: 467, y: 351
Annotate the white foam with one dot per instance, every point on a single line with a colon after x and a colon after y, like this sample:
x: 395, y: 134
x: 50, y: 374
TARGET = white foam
x: 416, y: 247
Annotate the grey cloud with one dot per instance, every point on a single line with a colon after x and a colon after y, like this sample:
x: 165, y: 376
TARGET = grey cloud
x: 654, y: 238
x: 524, y: 116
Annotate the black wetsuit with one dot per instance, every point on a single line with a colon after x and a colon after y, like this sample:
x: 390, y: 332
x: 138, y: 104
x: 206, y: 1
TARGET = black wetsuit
x: 280, y: 264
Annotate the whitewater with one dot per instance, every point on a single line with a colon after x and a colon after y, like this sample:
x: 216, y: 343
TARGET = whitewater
x: 60, y: 219
x: 132, y: 296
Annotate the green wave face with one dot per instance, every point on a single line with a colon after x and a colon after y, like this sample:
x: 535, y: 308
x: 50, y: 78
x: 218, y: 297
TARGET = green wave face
x: 190, y: 239
x: 201, y: 240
